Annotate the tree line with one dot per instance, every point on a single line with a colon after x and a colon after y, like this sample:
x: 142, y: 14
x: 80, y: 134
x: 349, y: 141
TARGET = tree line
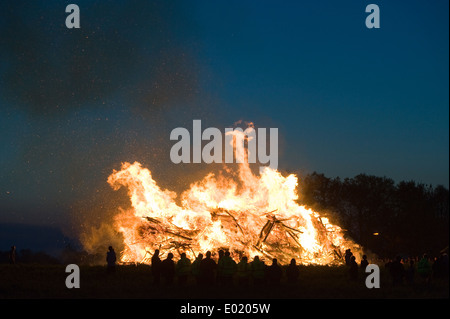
x: 386, y: 217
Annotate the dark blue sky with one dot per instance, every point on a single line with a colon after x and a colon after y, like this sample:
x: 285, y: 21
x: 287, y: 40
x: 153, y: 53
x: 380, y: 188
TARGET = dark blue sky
x: 346, y: 99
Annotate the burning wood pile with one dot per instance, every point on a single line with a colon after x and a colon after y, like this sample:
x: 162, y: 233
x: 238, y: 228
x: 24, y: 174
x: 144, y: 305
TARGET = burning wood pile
x: 256, y: 215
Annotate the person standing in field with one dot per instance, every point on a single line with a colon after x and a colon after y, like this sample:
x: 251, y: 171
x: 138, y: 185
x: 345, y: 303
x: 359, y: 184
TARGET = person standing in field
x: 183, y: 269
x: 292, y: 272
x: 12, y: 255
x: 196, y: 268
x: 111, y: 259
x: 168, y: 269
x: 364, y: 262
x: 257, y: 270
x: 229, y: 269
x: 353, y: 268
x: 220, y: 267
x: 156, y: 268
x: 397, y: 271
x: 424, y: 268
x: 243, y: 272
x: 274, y: 273
x: 207, y: 269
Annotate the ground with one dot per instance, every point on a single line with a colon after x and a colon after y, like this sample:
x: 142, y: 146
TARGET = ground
x: 316, y: 282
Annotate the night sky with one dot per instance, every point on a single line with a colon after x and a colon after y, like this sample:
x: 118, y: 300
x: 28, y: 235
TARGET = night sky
x: 346, y: 99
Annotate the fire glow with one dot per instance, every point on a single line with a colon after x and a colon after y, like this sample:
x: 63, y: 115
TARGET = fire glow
x: 238, y: 211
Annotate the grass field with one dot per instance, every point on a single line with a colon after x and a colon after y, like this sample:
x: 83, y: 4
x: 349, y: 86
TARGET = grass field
x: 318, y: 282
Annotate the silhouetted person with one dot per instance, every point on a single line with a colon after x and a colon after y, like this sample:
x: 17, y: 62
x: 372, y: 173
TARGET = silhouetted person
x: 257, y: 268
x: 364, y: 263
x: 440, y: 266
x: 274, y: 272
x: 436, y: 267
x: 228, y: 270
x: 243, y: 272
x: 183, y: 269
x: 168, y: 269
x: 196, y: 268
x: 388, y: 265
x: 353, y: 270
x: 444, y: 264
x: 12, y: 255
x: 156, y: 267
x: 410, y: 272
x: 348, y: 255
x: 292, y: 272
x: 220, y: 267
x: 445, y: 260
x: 111, y: 259
x: 397, y: 271
x: 424, y: 268
x: 207, y: 269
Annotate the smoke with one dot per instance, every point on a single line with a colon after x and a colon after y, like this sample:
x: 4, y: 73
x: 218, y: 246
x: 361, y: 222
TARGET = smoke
x: 140, y: 50
x: 96, y: 240
x: 78, y: 102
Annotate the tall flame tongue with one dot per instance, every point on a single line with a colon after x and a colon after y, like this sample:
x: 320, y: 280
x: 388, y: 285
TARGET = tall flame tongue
x: 248, y: 215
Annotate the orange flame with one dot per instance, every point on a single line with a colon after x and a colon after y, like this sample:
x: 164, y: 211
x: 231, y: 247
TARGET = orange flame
x: 248, y: 215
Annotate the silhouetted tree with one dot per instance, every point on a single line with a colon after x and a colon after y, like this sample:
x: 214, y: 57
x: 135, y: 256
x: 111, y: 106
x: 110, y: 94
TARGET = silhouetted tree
x: 409, y: 217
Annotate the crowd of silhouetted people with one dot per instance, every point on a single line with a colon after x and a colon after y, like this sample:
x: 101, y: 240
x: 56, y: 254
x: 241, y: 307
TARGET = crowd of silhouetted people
x: 404, y: 270
x: 207, y: 272
x: 424, y: 268
x: 226, y: 271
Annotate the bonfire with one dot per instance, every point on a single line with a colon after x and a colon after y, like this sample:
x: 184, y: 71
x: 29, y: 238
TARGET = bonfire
x: 245, y: 213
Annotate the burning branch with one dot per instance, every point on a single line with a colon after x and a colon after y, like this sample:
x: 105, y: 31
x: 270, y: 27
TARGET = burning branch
x: 241, y: 224
x: 217, y: 213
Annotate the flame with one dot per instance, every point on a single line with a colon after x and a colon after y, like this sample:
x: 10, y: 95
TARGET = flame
x: 245, y: 213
